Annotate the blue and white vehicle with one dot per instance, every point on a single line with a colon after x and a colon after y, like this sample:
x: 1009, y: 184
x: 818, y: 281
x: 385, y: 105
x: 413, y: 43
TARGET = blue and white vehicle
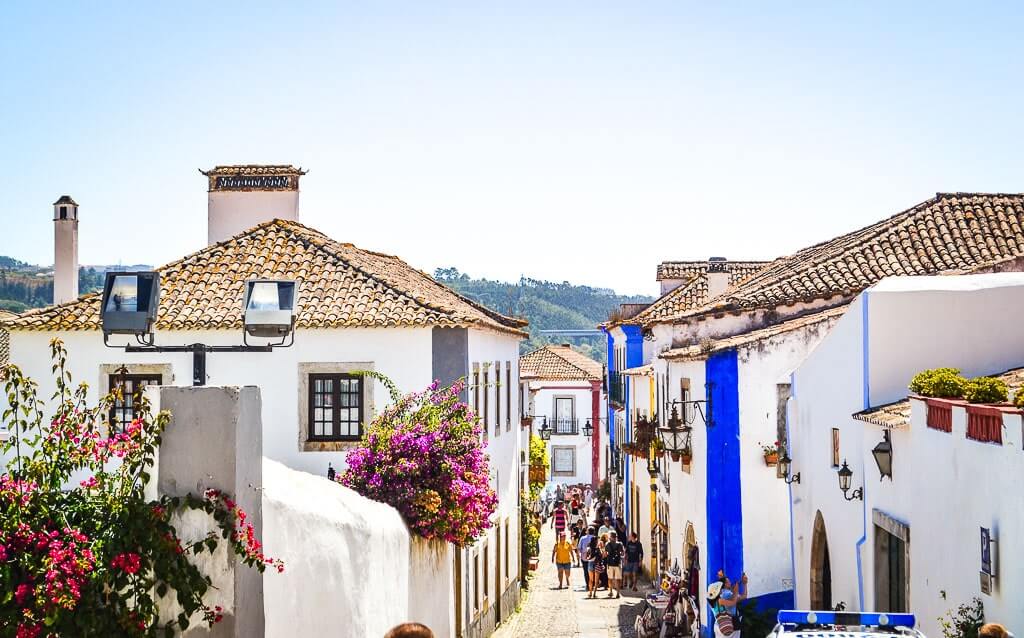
x: 843, y: 624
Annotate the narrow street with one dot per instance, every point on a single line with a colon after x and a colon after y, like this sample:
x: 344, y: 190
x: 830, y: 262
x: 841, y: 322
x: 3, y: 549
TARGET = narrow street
x: 568, y: 613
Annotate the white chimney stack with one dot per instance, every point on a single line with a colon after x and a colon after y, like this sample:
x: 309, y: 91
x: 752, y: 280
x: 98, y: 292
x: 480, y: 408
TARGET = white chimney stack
x: 65, y: 250
x: 718, y: 276
x: 244, y: 196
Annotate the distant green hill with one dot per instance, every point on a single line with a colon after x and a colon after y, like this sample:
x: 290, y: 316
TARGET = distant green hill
x: 24, y: 286
x: 546, y: 305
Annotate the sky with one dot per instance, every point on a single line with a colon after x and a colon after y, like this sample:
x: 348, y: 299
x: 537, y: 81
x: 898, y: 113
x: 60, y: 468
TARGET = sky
x: 576, y: 141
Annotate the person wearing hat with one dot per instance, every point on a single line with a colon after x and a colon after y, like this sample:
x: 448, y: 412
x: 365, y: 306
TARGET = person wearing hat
x: 723, y: 598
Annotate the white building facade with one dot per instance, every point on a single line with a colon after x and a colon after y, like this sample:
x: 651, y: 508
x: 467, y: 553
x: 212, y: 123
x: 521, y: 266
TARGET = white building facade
x: 725, y: 360
x: 910, y: 541
x: 564, y: 394
x: 357, y: 310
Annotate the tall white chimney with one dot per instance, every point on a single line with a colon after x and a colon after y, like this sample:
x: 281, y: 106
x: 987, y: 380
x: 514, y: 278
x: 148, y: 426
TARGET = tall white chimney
x: 243, y: 196
x: 718, y: 276
x: 65, y: 250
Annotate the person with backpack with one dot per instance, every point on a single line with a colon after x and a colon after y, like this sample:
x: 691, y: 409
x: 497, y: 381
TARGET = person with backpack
x: 595, y: 565
x: 613, y: 564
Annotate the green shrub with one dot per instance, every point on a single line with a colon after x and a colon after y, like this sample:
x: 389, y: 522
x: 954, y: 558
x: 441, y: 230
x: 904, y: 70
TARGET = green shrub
x: 1018, y: 399
x: 985, y: 390
x: 939, y: 382
x: 963, y: 621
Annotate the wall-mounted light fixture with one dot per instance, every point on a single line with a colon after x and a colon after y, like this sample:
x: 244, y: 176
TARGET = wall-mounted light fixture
x: 785, y: 464
x: 691, y: 409
x: 130, y: 301
x: 588, y: 429
x: 883, y: 456
x: 845, y: 474
x: 676, y: 436
x: 545, y: 430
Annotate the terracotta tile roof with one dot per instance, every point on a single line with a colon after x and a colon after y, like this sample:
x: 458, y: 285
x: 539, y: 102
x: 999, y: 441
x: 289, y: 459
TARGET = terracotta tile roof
x: 5, y: 340
x: 639, y: 371
x: 897, y: 413
x: 700, y: 351
x: 559, y: 363
x: 339, y: 286
x: 687, y: 269
x: 693, y: 293
x: 891, y: 415
x: 950, y: 233
x: 254, y: 169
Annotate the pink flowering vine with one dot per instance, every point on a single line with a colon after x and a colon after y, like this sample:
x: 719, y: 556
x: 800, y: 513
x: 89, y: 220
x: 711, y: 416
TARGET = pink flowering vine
x: 423, y: 455
x: 94, y: 556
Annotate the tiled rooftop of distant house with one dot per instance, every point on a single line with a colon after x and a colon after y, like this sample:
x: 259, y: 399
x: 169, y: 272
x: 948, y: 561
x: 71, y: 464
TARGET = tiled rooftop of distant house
x: 698, y: 351
x: 949, y: 233
x: 692, y: 293
x: 559, y: 363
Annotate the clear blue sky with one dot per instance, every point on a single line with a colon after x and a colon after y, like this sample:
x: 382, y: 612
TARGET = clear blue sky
x: 579, y: 141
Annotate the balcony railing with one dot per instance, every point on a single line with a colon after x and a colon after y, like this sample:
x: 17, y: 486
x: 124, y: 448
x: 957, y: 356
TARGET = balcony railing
x: 564, y: 426
x: 616, y: 388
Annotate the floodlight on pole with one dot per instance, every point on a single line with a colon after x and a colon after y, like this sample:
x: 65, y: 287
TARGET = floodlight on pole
x: 130, y: 301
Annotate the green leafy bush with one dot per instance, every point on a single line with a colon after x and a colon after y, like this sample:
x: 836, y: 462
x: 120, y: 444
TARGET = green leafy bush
x: 939, y: 382
x: 1018, y: 398
x: 985, y: 390
x: 538, y: 458
x: 964, y: 621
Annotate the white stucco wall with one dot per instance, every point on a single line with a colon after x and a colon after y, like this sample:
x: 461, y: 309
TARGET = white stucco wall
x: 937, y: 474
x: 503, y: 449
x: 402, y: 354
x: 351, y: 566
x: 912, y: 324
x: 232, y: 212
x: 827, y: 389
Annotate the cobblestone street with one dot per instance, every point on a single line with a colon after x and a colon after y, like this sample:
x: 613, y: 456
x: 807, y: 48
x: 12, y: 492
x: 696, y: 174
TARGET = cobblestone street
x: 568, y: 613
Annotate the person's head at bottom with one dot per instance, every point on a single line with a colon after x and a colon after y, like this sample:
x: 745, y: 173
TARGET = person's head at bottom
x: 410, y: 630
x: 993, y: 630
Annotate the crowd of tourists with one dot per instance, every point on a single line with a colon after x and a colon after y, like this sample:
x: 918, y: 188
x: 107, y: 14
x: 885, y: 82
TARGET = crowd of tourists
x: 588, y: 535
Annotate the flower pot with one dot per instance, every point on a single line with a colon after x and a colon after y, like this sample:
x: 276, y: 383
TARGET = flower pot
x: 534, y: 563
x: 771, y: 458
x: 676, y: 456
x: 686, y: 458
x: 527, y: 422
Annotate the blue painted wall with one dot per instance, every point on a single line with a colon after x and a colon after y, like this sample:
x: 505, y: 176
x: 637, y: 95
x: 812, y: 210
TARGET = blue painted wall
x: 776, y: 600
x: 610, y: 424
x: 724, y: 505
x: 634, y: 358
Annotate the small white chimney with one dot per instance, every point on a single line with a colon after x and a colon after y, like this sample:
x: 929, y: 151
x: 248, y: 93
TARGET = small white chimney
x: 244, y: 196
x: 65, y: 250
x: 718, y: 276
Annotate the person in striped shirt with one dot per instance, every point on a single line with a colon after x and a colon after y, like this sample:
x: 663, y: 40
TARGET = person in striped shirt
x: 559, y: 518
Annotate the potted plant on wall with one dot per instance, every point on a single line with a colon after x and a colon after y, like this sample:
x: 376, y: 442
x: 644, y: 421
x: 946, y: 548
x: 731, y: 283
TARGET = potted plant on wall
x: 685, y: 455
x: 771, y: 453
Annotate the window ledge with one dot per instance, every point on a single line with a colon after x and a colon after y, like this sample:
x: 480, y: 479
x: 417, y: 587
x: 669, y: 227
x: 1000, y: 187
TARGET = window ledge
x: 328, y: 446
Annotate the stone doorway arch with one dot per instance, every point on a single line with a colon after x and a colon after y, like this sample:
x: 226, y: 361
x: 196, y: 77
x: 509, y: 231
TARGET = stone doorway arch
x: 821, y: 566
